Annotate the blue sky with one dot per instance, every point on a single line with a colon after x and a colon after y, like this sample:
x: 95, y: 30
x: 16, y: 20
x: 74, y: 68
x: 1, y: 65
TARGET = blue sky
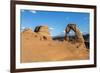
x: 56, y: 21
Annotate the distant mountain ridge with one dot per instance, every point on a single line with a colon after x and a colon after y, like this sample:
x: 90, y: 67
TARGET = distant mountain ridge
x: 72, y: 37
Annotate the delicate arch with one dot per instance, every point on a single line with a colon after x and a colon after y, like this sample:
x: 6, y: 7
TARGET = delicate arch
x: 78, y: 34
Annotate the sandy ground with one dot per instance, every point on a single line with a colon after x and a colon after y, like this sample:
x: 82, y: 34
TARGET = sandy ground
x: 35, y: 50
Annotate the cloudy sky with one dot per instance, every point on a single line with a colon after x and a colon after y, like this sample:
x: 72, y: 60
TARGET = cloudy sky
x: 56, y: 21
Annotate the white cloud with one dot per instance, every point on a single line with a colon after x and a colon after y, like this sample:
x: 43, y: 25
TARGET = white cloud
x: 51, y: 28
x: 33, y: 11
x: 63, y: 31
x: 23, y: 10
x: 23, y: 28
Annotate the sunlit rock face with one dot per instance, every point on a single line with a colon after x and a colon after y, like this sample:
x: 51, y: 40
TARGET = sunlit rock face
x: 43, y: 31
x: 38, y: 46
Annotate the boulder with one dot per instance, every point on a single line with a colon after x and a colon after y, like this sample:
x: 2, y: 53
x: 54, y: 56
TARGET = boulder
x: 27, y: 31
x: 43, y: 32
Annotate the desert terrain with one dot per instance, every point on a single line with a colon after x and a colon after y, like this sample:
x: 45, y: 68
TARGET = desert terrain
x: 38, y: 46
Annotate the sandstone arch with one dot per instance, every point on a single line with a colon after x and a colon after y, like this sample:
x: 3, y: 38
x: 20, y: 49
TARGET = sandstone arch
x: 78, y: 35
